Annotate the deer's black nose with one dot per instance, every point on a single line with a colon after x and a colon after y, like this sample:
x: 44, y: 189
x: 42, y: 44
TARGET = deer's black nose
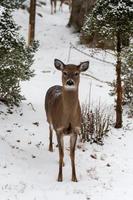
x: 70, y: 82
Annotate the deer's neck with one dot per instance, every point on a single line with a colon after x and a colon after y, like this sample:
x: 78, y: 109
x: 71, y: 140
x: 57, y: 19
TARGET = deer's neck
x: 70, y: 99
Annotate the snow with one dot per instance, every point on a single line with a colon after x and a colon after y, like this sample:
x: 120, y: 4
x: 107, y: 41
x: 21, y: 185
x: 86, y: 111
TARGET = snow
x: 28, y: 171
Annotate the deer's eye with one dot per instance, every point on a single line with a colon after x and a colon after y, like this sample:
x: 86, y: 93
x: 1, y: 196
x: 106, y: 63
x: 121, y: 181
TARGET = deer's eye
x: 65, y: 73
x: 76, y: 74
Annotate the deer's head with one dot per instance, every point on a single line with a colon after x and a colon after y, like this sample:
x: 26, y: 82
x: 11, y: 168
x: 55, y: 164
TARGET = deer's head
x: 71, y: 73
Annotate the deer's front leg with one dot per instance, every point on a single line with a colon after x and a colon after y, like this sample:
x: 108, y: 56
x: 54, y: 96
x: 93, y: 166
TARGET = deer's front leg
x: 73, y: 139
x: 54, y: 6
x: 61, y: 155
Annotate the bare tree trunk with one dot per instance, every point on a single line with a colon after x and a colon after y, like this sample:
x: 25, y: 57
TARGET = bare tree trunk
x: 32, y: 15
x: 74, y: 19
x: 118, y: 85
x: 79, y: 10
x: 71, y: 15
x: 86, y: 7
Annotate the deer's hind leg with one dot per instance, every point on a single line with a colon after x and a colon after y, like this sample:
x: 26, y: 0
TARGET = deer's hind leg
x: 50, y: 137
x: 60, y: 7
x: 54, y: 6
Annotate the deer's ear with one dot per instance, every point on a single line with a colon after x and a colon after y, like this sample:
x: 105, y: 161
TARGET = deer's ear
x: 84, y: 66
x: 59, y: 64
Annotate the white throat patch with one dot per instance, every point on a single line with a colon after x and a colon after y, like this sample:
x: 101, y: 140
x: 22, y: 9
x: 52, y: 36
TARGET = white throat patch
x: 72, y: 87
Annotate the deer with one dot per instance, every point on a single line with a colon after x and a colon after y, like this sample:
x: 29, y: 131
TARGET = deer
x: 68, y: 2
x: 63, y: 111
x: 54, y: 3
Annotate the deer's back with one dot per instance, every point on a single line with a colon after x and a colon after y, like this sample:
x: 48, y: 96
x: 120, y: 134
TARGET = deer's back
x: 53, y: 96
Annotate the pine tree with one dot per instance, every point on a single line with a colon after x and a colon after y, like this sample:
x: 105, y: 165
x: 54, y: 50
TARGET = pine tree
x: 127, y: 78
x: 15, y: 57
x: 113, y: 20
x: 127, y: 74
x: 14, y: 4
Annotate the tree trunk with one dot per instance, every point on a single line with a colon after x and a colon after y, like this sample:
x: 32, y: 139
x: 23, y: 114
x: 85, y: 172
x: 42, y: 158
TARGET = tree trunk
x: 79, y: 10
x: 70, y: 19
x: 32, y: 15
x: 75, y: 17
x: 118, y: 85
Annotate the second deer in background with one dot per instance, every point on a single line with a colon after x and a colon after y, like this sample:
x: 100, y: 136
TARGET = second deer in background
x: 54, y: 3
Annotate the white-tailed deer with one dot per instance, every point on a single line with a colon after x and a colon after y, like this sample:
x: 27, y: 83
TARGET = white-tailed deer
x: 54, y: 3
x: 63, y: 110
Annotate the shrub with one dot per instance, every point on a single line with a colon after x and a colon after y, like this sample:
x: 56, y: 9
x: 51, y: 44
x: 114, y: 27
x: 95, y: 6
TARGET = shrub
x: 127, y: 78
x: 95, y: 123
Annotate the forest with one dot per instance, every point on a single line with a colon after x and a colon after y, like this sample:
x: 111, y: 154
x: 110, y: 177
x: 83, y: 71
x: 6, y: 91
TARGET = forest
x: 66, y: 99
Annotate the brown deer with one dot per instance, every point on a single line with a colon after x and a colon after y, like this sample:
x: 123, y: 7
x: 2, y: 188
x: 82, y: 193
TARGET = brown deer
x: 68, y: 2
x: 63, y: 110
x: 54, y: 3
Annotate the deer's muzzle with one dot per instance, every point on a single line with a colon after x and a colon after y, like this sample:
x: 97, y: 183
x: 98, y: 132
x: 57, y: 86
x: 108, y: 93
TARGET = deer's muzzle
x: 70, y: 82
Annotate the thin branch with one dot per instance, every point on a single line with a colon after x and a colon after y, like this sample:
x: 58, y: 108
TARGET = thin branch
x: 96, y: 78
x: 87, y: 54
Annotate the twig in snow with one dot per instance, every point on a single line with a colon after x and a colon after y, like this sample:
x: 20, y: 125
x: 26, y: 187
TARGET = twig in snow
x: 30, y: 104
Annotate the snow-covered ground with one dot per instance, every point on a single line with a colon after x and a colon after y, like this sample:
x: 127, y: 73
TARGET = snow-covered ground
x: 28, y: 171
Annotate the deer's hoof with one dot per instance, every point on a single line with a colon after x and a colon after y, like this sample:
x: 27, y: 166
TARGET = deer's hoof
x: 74, y: 179
x: 63, y: 164
x: 60, y: 179
x: 50, y: 149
